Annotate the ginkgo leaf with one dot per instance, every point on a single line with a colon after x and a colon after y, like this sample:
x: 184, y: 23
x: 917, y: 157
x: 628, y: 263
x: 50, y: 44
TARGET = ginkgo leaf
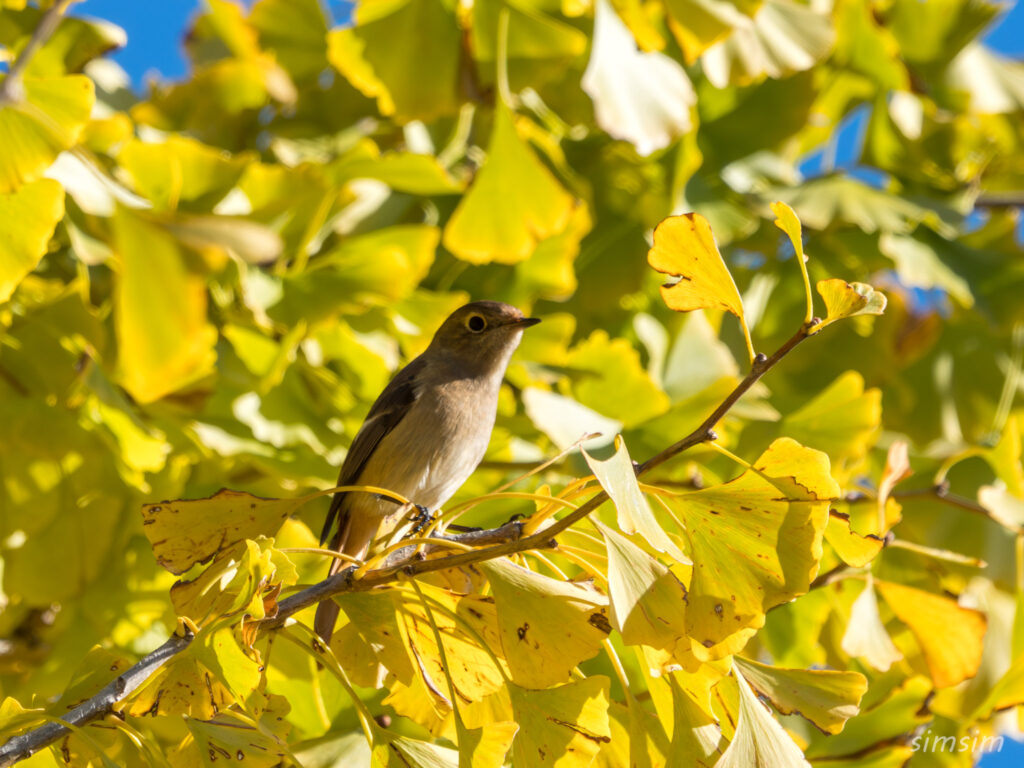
x: 843, y: 299
x: 382, y: 56
x: 487, y: 746
x: 165, y: 338
x: 471, y: 668
x: 695, y: 732
x: 563, y: 726
x: 852, y: 548
x: 783, y: 37
x: 828, y: 698
x: 787, y: 221
x: 865, y: 636
x: 181, y: 171
x: 229, y: 737
x: 643, y: 97
x: 374, y: 620
x: 699, y: 24
x: 685, y: 248
x: 514, y: 203
x: 759, y: 739
x: 951, y: 637
x: 190, y: 531
x: 618, y: 478
x: 842, y: 419
x: 612, y: 380
x: 648, y: 600
x: 1005, y: 508
x: 29, y: 214
x: 250, y: 241
x: 248, y: 584
x: 755, y: 541
x: 565, y: 420
x: 897, y: 468
x: 547, y: 626
x: 201, y: 681
x: 392, y: 751
x: 902, y: 709
x: 46, y: 118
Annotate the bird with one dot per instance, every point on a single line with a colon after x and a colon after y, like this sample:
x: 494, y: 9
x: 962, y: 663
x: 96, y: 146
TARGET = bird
x: 425, y: 434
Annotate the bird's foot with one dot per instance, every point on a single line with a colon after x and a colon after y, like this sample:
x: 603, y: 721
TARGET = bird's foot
x: 421, y: 519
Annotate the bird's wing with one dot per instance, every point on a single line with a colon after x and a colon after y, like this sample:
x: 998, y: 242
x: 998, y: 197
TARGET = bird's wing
x: 385, y: 414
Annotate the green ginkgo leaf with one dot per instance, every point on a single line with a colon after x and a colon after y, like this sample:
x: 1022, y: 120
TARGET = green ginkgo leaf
x: 842, y: 420
x: 383, y: 56
x: 514, y: 203
x: 755, y: 541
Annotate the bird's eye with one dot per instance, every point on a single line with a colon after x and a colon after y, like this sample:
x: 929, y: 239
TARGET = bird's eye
x: 476, y: 323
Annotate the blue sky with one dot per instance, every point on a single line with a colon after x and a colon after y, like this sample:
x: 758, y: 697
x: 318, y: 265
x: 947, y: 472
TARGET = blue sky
x: 156, y: 29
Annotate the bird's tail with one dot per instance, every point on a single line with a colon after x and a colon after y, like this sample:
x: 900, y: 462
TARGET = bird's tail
x: 355, y: 533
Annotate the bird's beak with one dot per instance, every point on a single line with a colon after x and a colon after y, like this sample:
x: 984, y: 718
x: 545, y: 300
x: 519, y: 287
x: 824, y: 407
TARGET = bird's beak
x: 524, y: 322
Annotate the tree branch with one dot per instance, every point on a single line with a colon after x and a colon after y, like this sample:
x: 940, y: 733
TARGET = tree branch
x: 410, y: 561
x: 11, y: 88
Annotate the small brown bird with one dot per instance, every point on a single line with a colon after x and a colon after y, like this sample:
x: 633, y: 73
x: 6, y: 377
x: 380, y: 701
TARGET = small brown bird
x: 426, y: 433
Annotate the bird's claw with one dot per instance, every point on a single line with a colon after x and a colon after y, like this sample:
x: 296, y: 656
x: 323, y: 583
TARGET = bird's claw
x: 421, y: 519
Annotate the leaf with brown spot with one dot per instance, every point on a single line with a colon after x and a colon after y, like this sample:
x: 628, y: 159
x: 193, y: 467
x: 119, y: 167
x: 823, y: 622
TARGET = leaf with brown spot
x: 563, y: 726
x: 186, y: 532
x: 547, y: 626
x: 755, y: 543
x: 828, y: 698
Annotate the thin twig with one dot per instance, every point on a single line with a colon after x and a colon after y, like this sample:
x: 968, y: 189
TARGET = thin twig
x: 496, y: 542
x: 11, y: 89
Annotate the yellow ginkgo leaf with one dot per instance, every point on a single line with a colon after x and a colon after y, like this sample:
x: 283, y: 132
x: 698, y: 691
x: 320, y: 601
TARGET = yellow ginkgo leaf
x: 685, y: 248
x: 618, y: 478
x: 826, y: 697
x: 514, y: 203
x: 244, y: 586
x: 46, y: 117
x: 470, y: 667
x: 485, y: 747
x: 563, y: 726
x: 547, y: 626
x: 648, y: 600
x: 951, y: 637
x: 759, y: 739
x: 852, y: 548
x: 190, y: 531
x: 165, y: 338
x: 204, y: 679
x: 843, y: 299
x: 29, y: 215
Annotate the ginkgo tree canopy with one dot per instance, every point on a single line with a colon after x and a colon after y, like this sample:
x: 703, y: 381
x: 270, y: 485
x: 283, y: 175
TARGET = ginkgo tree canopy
x: 755, y: 492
